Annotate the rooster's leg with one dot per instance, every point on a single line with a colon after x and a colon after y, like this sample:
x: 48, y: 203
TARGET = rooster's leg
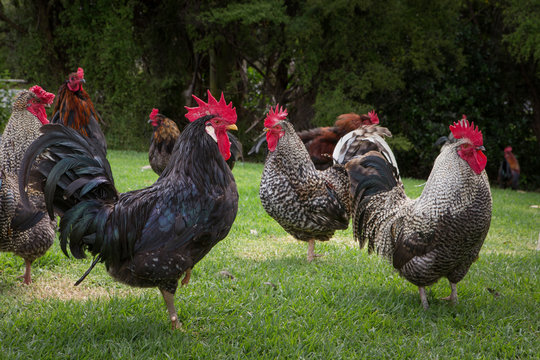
x: 169, y: 301
x: 453, y: 294
x: 27, y: 277
x: 311, y: 251
x: 423, y: 297
x: 187, y: 276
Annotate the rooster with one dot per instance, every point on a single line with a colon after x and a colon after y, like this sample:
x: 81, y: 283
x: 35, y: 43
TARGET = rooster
x: 438, y: 234
x: 364, y: 139
x: 164, y: 136
x: 509, y: 170
x: 163, y: 139
x: 320, y: 142
x: 75, y: 109
x: 309, y: 204
x: 148, y: 237
x: 21, y: 130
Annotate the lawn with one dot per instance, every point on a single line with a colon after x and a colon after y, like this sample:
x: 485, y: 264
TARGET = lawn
x: 255, y: 296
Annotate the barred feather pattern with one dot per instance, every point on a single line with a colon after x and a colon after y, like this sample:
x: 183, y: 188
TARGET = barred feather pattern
x: 436, y: 235
x: 306, y: 202
x: 21, y: 130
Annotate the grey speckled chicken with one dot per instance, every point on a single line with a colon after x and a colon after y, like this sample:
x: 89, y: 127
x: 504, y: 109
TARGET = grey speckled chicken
x: 22, y: 129
x: 309, y: 204
x: 438, y: 234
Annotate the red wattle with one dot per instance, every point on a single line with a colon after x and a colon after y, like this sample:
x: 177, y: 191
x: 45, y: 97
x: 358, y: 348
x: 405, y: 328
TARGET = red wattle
x: 39, y: 111
x: 224, y: 144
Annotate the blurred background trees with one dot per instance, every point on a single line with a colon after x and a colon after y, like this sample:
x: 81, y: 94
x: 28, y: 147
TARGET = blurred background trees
x: 419, y: 64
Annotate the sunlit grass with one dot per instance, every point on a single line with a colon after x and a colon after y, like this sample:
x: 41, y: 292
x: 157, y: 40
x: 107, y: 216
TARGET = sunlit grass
x: 276, y: 305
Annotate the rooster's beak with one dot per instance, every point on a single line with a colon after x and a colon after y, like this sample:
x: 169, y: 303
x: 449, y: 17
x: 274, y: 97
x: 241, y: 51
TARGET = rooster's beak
x: 232, y: 127
x: 481, y: 148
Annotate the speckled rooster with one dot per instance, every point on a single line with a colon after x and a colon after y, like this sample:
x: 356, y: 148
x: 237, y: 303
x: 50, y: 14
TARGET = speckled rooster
x: 309, y: 204
x: 148, y: 237
x: 75, y: 109
x: 438, y: 234
x: 22, y: 129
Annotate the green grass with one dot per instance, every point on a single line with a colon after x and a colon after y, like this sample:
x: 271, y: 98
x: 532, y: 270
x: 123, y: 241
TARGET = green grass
x: 344, y: 305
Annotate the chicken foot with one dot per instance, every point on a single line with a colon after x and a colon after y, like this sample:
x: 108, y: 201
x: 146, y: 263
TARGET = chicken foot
x: 169, y: 301
x: 453, y: 294
x: 311, y: 251
x: 27, y: 277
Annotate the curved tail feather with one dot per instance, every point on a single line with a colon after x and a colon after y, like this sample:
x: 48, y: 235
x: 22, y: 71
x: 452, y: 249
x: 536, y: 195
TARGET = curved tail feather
x: 77, y: 182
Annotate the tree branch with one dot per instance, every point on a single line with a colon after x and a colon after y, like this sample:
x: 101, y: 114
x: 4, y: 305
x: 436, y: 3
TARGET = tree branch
x: 15, y: 26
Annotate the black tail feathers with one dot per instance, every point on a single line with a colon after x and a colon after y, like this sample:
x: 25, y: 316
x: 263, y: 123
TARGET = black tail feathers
x: 369, y: 175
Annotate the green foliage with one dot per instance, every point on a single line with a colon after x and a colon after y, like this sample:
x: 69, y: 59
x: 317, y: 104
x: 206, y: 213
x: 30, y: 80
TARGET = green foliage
x: 419, y: 64
x: 524, y: 41
x: 345, y: 305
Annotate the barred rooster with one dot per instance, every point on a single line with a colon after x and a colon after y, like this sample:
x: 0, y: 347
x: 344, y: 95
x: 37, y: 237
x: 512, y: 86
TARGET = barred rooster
x: 438, y: 234
x: 509, y: 170
x: 163, y: 139
x: 148, y: 237
x: 309, y: 204
x: 22, y: 129
x: 75, y: 109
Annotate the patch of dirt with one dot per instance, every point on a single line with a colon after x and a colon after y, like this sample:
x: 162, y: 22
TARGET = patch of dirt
x: 62, y: 288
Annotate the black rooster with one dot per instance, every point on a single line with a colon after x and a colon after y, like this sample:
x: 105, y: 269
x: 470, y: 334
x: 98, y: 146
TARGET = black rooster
x: 148, y: 237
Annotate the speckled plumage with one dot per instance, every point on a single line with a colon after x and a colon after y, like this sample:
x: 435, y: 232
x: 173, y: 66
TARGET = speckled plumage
x: 436, y: 235
x: 22, y: 129
x: 307, y: 203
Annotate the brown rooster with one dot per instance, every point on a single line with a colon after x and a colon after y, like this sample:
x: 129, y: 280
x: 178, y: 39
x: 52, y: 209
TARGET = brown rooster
x: 309, y: 204
x: 75, y: 109
x: 148, y: 237
x: 320, y: 142
x: 21, y: 130
x: 438, y: 234
x: 509, y: 170
x: 163, y: 139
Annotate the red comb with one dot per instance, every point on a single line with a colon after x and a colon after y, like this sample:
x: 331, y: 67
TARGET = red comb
x: 44, y: 96
x: 153, y: 114
x: 508, y: 149
x: 373, y: 117
x: 213, y: 107
x: 464, y: 130
x: 275, y: 116
x: 80, y: 73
